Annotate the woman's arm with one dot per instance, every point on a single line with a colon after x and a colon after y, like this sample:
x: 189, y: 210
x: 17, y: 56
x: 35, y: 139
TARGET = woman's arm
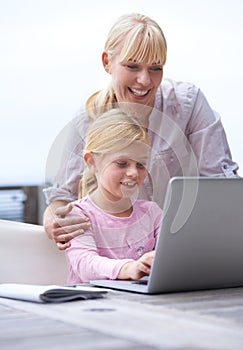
x: 64, y: 176
x: 209, y: 142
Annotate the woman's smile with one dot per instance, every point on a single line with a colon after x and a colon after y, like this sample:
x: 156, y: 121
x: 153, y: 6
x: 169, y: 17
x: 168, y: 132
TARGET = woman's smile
x: 139, y: 93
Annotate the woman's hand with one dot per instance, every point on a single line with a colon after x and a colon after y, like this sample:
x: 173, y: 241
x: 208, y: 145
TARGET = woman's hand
x: 62, y: 229
x: 138, y: 268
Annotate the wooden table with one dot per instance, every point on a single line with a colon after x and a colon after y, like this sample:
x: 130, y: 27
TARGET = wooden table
x: 127, y: 321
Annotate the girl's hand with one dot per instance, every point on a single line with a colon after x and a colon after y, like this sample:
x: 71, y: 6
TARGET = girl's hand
x: 138, y: 268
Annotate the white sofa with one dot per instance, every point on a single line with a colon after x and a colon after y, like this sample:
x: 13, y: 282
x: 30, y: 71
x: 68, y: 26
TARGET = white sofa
x: 27, y: 255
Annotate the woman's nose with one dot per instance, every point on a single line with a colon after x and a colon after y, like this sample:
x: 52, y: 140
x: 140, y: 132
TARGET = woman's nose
x: 144, y: 77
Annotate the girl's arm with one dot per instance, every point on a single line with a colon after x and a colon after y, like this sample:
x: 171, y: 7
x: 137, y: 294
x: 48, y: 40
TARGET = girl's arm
x: 85, y: 262
x: 138, y: 268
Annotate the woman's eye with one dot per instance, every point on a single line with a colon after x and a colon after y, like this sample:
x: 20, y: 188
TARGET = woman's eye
x: 156, y: 68
x: 132, y: 66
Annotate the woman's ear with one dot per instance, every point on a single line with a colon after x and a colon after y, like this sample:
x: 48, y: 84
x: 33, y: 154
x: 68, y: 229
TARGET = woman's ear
x: 90, y: 162
x: 105, y: 61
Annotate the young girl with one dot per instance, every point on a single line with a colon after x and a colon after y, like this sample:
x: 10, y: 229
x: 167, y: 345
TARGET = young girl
x: 123, y: 231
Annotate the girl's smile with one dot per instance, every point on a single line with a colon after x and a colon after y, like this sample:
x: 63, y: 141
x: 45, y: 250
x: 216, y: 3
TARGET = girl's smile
x: 119, y: 176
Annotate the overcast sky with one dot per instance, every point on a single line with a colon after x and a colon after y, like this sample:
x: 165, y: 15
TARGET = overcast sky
x: 50, y: 62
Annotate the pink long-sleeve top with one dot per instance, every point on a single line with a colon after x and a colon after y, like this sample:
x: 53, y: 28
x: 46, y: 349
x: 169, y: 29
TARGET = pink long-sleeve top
x: 111, y: 241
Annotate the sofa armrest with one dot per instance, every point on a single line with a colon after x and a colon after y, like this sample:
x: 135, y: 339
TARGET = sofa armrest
x: 27, y: 255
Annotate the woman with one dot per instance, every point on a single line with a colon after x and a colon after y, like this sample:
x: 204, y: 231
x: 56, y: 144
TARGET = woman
x: 186, y: 135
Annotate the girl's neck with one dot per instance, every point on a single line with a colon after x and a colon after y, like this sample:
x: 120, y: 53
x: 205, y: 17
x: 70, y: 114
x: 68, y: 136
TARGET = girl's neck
x: 121, y: 208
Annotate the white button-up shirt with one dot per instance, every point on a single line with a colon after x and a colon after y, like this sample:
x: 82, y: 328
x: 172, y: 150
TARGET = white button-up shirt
x: 186, y: 137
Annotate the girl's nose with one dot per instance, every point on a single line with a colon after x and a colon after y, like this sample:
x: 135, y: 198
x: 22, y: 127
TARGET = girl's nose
x: 132, y: 171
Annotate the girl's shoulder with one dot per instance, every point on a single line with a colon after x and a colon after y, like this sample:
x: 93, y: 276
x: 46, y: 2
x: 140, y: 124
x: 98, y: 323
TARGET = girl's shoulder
x: 85, y: 206
x: 146, y: 206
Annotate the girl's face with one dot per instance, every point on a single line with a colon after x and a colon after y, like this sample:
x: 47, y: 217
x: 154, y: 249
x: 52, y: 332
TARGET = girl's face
x: 120, y: 174
x: 133, y: 82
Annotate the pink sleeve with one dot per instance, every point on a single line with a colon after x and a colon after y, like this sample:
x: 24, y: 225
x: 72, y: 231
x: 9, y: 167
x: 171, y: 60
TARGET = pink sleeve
x: 85, y: 262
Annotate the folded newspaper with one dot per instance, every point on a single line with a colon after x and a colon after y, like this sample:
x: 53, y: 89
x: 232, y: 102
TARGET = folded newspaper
x: 49, y: 293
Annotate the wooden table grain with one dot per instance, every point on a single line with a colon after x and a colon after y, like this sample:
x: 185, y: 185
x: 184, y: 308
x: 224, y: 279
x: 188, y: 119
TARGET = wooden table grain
x: 203, y: 320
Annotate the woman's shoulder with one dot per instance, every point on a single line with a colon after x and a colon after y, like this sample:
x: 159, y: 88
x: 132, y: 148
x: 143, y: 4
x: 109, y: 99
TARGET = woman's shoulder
x: 81, y: 121
x: 178, y: 92
x: 169, y: 86
x: 177, y: 97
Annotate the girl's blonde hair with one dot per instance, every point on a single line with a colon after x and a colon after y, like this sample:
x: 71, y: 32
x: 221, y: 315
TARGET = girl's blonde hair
x: 109, y: 133
x: 136, y: 38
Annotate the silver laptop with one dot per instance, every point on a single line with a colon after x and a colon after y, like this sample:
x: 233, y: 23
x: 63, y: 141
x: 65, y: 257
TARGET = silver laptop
x: 200, y: 245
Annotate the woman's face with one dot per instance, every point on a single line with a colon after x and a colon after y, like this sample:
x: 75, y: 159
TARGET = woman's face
x: 133, y: 82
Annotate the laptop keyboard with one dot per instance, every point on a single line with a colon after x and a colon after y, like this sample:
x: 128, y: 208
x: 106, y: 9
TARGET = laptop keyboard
x: 143, y: 280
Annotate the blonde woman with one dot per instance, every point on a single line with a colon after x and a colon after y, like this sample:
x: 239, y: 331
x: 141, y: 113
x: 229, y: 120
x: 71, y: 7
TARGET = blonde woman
x: 120, y: 241
x: 186, y: 135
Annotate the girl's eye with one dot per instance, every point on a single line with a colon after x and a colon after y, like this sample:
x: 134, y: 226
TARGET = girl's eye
x: 140, y: 165
x: 121, y: 164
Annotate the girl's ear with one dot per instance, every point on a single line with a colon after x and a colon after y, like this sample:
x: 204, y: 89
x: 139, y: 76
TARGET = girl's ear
x: 105, y: 61
x: 90, y: 162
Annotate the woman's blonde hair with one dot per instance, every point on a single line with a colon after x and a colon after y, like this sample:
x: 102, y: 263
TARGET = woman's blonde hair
x: 136, y: 38
x: 109, y: 133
